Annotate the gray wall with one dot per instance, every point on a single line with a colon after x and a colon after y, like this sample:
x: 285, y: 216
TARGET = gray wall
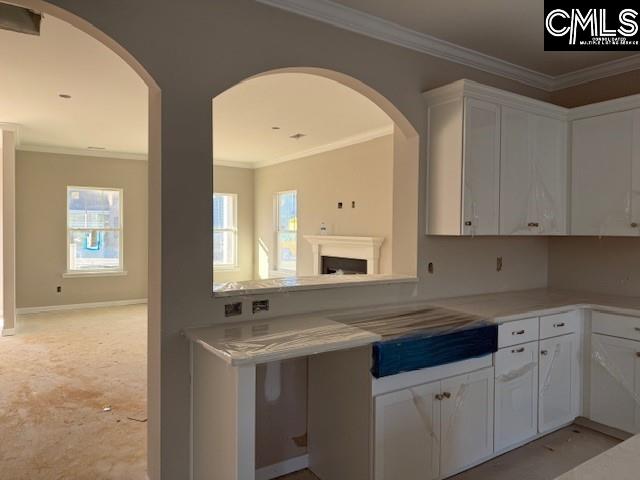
x: 195, y: 50
x: 41, y: 219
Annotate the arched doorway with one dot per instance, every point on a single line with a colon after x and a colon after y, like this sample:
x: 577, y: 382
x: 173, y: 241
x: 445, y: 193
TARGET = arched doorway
x: 153, y: 154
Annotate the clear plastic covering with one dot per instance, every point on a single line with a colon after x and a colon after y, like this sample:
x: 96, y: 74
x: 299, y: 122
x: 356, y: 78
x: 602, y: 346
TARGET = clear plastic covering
x: 285, y: 284
x: 288, y: 337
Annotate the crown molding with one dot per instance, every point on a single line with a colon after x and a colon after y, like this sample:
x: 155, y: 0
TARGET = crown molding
x: 604, y: 70
x: 231, y: 163
x: 366, y: 24
x: 343, y: 142
x: 82, y: 153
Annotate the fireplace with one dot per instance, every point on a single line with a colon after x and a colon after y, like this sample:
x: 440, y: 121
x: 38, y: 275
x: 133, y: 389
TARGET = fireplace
x: 345, y: 266
x: 364, y: 250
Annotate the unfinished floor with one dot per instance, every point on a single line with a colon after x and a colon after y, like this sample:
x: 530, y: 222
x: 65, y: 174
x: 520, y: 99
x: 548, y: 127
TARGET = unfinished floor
x: 73, y: 396
x: 543, y: 459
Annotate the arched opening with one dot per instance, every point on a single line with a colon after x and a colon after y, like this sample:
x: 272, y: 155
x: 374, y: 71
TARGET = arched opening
x: 64, y: 392
x: 315, y: 179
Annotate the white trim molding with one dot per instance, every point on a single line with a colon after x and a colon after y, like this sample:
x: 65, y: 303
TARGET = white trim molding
x: 83, y: 152
x: 364, y: 248
x: 8, y: 332
x: 341, y: 143
x: 283, y: 468
x: 372, y: 26
x: 80, y: 306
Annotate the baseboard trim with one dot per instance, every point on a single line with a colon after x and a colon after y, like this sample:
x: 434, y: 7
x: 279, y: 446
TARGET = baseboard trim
x: 80, y: 306
x: 7, y: 332
x: 283, y: 468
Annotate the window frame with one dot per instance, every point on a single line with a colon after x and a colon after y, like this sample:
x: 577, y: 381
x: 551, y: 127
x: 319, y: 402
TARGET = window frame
x: 115, y: 271
x: 234, y: 266
x: 277, y: 271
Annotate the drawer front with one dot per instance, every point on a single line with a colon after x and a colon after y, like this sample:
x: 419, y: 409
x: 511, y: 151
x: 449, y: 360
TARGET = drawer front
x: 559, y: 324
x: 615, y: 325
x: 518, y: 331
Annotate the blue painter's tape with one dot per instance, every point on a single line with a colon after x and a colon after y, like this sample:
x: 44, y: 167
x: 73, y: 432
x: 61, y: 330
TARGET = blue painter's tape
x: 405, y: 354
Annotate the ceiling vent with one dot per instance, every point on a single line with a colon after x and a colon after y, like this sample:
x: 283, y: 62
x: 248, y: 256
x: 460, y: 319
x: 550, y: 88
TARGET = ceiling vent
x: 18, y: 19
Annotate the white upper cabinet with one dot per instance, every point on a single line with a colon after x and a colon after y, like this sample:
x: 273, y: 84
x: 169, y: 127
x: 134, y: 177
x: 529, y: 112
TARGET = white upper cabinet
x: 464, y: 167
x: 476, y: 180
x: 533, y: 177
x: 481, y: 168
x: 606, y: 174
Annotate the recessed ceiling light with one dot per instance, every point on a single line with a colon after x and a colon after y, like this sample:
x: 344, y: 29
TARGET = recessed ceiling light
x: 298, y: 136
x: 96, y: 148
x: 66, y: 96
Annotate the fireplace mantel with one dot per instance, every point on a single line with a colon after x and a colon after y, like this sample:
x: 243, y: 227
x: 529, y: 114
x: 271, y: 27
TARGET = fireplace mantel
x: 364, y: 248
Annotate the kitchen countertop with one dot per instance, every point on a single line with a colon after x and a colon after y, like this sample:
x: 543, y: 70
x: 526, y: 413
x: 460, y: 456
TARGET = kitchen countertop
x: 621, y: 462
x: 301, y: 335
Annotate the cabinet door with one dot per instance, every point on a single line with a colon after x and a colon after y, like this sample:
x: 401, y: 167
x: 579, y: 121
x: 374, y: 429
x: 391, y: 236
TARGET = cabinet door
x: 533, y: 174
x: 558, y: 382
x: 481, y: 168
x: 614, y: 382
x: 407, y: 434
x: 602, y: 150
x: 516, y: 402
x: 467, y: 420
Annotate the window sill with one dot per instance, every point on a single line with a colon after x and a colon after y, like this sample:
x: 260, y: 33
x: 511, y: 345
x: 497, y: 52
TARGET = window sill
x: 281, y: 273
x: 79, y: 274
x: 226, y: 269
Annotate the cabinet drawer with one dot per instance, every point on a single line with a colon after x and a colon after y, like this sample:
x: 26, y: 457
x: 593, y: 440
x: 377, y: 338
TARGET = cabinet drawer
x: 616, y: 325
x: 518, y: 331
x: 559, y: 324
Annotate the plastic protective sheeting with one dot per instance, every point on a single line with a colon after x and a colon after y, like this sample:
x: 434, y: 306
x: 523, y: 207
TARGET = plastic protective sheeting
x: 600, y: 355
x: 285, y: 284
x: 425, y: 337
x: 403, y: 338
x: 516, y: 373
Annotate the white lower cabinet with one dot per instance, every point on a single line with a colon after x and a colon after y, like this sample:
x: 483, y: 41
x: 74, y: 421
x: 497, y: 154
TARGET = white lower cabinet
x: 467, y: 420
x: 516, y: 397
x: 434, y: 430
x: 559, y: 381
x: 407, y: 434
x: 615, y: 382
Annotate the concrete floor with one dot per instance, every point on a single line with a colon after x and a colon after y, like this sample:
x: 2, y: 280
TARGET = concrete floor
x: 56, y: 376
x: 544, y: 459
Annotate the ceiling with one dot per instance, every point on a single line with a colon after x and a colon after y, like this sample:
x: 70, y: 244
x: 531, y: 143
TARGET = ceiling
x: 108, y: 105
x: 510, y: 30
x: 329, y: 114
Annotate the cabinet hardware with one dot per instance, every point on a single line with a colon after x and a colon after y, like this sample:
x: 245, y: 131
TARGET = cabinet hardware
x: 467, y: 223
x: 439, y: 397
x: 533, y: 224
x: 518, y: 350
x: 544, y: 352
x: 558, y: 325
x: 634, y: 224
x: 446, y: 395
x: 519, y: 332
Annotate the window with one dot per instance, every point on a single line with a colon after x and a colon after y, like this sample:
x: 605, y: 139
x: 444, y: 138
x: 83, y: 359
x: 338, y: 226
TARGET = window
x: 94, y: 229
x: 225, y: 231
x: 286, y: 231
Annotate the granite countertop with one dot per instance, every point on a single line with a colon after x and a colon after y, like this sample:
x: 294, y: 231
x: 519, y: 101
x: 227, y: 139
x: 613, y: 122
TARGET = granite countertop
x: 621, y: 462
x: 301, y: 335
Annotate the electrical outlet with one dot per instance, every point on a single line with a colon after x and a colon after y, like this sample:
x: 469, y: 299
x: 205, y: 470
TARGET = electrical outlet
x: 430, y: 268
x: 260, y: 306
x: 59, y: 289
x: 233, y: 309
x: 499, y: 264
x: 339, y: 204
